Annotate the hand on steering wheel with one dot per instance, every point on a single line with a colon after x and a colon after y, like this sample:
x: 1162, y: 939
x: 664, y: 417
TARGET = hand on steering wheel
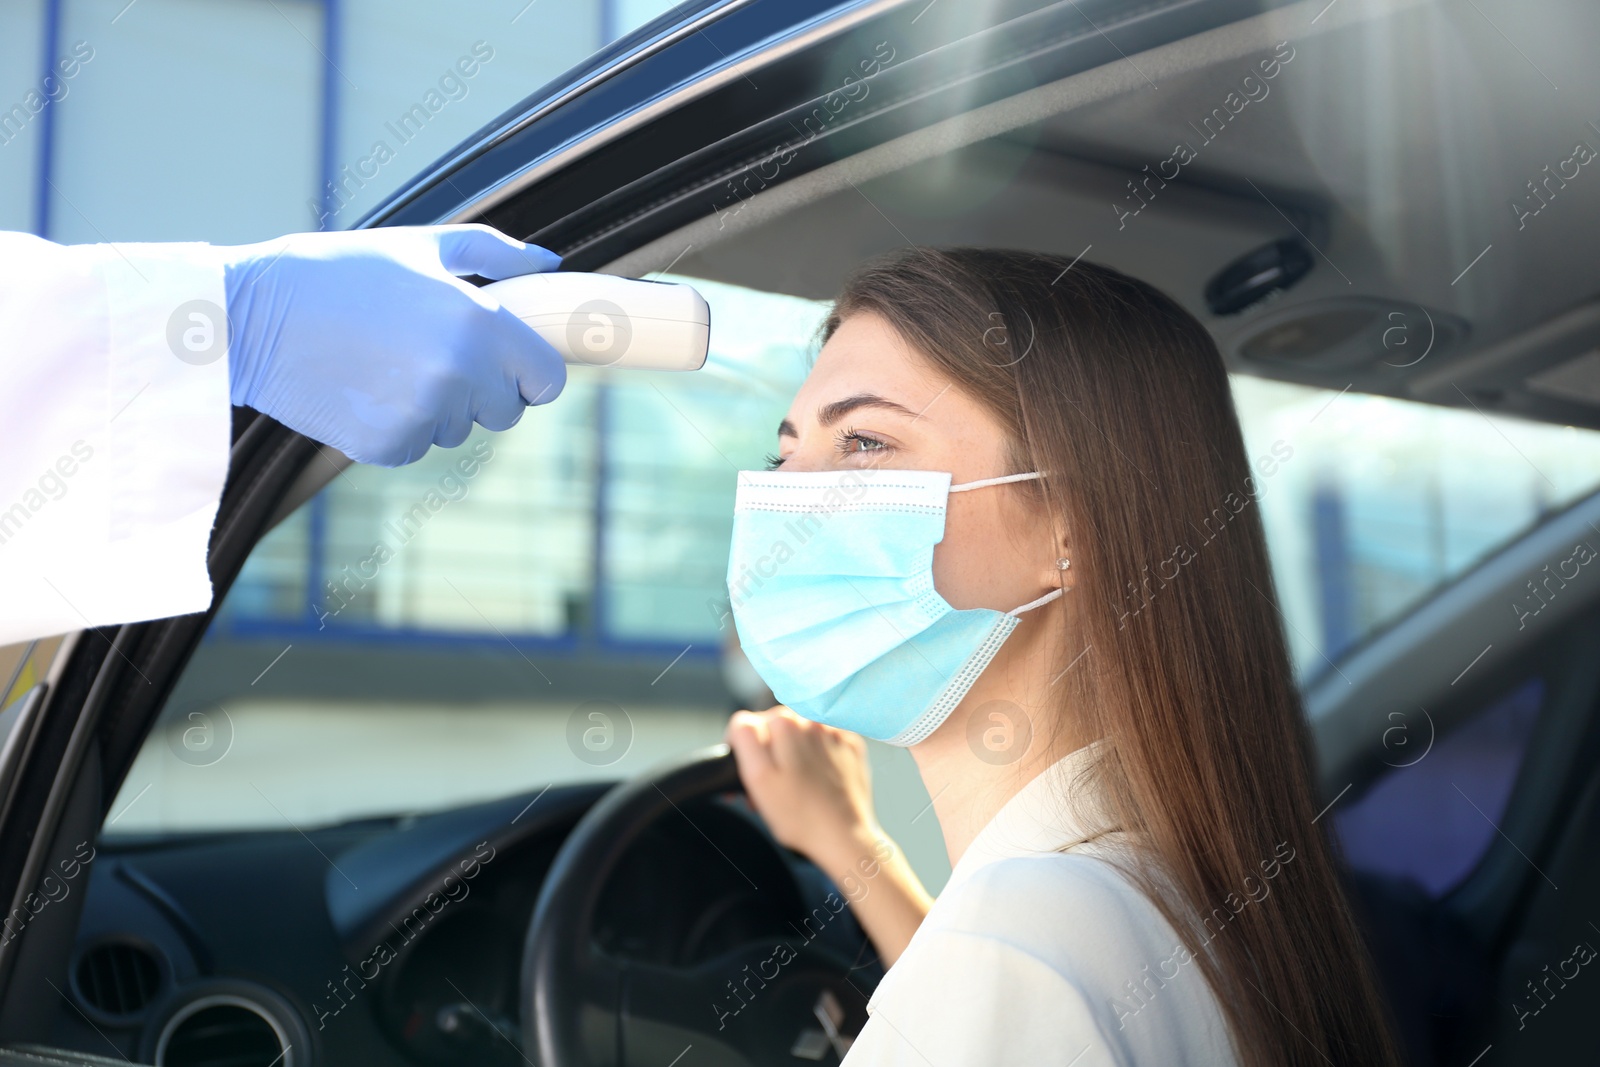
x: 810, y: 783
x: 813, y: 786
x: 754, y: 1005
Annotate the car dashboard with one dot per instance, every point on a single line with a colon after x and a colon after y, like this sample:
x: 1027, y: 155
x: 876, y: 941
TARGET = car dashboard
x: 398, y: 940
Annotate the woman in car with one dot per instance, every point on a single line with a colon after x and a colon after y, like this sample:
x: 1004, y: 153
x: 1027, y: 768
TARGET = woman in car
x: 1088, y: 670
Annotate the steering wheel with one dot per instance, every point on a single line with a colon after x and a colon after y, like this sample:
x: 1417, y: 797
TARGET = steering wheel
x: 582, y: 1008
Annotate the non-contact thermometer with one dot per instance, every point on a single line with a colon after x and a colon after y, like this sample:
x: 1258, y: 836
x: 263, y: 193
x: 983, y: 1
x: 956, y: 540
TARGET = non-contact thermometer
x: 601, y: 320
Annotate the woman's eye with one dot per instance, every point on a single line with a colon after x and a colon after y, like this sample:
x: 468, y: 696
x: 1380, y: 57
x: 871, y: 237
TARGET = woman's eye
x: 774, y: 462
x: 854, y: 443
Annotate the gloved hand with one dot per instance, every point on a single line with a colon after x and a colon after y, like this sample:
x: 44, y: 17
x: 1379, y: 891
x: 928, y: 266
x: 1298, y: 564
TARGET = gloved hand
x: 368, y: 341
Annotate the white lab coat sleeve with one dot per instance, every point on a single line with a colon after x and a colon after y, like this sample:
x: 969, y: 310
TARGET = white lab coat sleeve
x: 113, y: 449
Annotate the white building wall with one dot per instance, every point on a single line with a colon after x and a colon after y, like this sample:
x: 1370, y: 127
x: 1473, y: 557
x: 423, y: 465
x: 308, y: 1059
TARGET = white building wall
x: 210, y: 119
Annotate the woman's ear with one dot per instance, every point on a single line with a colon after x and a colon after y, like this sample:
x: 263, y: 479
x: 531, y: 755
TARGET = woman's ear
x: 1058, y: 570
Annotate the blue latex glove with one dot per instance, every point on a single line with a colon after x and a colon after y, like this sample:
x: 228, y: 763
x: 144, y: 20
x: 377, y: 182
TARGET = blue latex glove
x: 368, y: 341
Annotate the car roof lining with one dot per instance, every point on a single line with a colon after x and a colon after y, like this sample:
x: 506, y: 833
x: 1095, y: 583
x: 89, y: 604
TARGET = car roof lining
x: 996, y: 120
x: 1511, y: 333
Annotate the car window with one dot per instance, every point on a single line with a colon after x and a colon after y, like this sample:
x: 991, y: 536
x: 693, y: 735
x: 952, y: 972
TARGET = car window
x: 548, y: 604
x: 539, y: 606
x: 1372, y: 504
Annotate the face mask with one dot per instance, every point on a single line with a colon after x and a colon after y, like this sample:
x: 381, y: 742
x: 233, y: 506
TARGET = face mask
x: 831, y: 582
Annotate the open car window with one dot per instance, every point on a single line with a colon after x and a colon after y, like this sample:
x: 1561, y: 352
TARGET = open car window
x: 536, y: 607
x: 548, y: 605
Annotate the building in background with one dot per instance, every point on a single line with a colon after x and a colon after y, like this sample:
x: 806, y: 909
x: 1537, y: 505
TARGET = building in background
x: 237, y: 120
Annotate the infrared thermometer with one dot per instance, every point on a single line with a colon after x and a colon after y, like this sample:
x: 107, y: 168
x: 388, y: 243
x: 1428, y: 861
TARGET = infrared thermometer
x: 601, y: 320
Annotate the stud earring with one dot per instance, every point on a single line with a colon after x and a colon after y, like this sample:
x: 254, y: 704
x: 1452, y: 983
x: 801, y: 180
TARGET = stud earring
x: 1063, y: 563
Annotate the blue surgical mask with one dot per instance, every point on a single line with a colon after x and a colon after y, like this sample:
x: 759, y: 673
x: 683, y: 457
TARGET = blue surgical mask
x: 831, y: 583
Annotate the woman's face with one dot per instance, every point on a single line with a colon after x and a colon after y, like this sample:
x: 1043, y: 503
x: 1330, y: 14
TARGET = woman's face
x: 872, y: 402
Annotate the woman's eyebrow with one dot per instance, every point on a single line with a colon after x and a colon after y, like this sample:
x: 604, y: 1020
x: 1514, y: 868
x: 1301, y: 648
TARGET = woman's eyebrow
x: 829, y: 414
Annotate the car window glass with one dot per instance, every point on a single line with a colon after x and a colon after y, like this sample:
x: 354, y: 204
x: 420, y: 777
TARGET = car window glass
x: 1371, y: 504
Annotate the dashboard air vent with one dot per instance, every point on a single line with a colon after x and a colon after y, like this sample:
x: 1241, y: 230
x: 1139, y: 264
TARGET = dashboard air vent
x: 117, y: 978
x: 223, y: 1031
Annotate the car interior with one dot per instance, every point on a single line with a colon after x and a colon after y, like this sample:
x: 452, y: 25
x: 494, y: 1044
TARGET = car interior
x: 472, y: 813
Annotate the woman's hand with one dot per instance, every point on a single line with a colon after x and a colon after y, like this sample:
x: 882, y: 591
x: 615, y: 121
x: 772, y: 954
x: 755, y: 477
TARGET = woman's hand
x: 812, y: 785
x: 810, y: 782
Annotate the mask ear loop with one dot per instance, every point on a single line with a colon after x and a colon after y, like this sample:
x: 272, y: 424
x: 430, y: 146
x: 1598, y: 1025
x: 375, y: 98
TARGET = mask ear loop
x: 1030, y: 605
x: 984, y: 483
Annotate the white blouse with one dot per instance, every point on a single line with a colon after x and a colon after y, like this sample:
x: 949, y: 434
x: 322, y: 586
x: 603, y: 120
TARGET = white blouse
x: 1038, y: 952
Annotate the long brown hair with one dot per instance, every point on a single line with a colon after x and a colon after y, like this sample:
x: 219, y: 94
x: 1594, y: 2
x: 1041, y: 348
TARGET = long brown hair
x: 1106, y: 383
